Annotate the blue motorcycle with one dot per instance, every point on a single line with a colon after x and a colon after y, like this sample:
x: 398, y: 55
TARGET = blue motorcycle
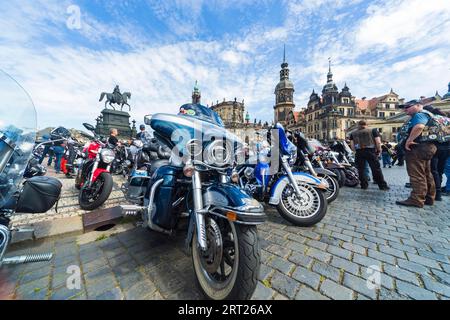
x: 299, y: 197
x: 192, y: 181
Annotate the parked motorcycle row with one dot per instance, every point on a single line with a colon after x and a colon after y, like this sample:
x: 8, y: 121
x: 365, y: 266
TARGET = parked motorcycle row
x: 192, y: 170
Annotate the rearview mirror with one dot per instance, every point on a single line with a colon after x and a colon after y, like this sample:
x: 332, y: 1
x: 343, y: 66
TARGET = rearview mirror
x: 88, y: 126
x: 147, y: 119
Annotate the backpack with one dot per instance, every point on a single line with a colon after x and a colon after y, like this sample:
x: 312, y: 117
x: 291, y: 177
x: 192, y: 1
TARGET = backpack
x: 437, y: 129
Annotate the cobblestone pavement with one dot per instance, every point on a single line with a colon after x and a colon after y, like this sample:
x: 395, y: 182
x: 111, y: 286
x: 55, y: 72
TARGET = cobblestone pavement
x: 363, y: 232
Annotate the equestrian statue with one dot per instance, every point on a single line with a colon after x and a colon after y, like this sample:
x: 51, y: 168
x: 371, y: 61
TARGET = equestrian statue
x: 116, y: 97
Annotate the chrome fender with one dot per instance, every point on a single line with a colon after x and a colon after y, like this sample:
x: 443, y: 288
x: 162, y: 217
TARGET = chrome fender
x: 277, y: 188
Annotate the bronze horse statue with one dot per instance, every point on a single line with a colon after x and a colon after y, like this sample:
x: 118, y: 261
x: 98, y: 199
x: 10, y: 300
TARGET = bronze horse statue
x: 119, y: 98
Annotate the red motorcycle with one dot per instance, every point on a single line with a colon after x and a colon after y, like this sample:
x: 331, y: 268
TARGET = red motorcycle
x: 94, y: 179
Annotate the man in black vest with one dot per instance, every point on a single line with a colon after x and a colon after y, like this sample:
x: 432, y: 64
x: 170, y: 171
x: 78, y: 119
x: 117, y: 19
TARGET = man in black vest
x: 367, y: 145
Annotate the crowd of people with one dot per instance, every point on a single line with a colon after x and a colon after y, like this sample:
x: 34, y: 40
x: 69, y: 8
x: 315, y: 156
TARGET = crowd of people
x: 55, y: 151
x: 426, y: 157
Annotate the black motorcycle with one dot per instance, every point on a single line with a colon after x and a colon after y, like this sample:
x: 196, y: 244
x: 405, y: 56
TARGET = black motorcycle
x: 192, y: 182
x: 34, y: 195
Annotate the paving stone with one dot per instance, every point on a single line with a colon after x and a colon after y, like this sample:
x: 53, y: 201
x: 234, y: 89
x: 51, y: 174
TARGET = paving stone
x: 63, y: 293
x: 434, y: 256
x: 336, y: 251
x: 281, y: 265
x: 140, y: 290
x: 402, y: 274
x: 262, y: 292
x: 307, y: 277
x: 345, y: 265
x: 301, y: 260
x: 111, y: 294
x: 423, y: 261
x: 433, y: 285
x: 414, y: 292
x: 331, y: 241
x: 319, y: 255
x: 264, y: 272
x: 412, y: 266
x: 341, y: 236
x: 336, y: 291
x: 366, y: 261
x: 381, y: 256
x: 359, y: 285
x: 306, y: 293
x: 285, y: 285
x: 354, y: 248
x: 442, y: 277
x: 279, y: 250
x: 392, y: 251
x: 295, y: 246
x: 327, y: 270
x: 317, y: 244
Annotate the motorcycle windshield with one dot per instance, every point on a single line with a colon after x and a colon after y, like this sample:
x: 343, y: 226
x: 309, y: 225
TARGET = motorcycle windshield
x: 17, y: 135
x: 202, y: 113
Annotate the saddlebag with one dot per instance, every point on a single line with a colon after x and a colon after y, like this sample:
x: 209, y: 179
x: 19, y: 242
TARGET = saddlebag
x: 39, y: 194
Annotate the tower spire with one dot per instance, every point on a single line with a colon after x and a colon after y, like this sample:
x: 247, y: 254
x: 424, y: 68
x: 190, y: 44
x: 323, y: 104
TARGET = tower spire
x: 284, y: 53
x: 330, y: 74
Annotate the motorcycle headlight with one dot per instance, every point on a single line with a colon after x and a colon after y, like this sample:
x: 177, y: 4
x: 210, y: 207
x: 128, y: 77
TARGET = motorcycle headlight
x: 107, y: 155
x: 218, y: 153
x: 293, y: 158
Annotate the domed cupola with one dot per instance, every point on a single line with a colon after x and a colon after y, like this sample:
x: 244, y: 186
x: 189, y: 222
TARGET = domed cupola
x: 345, y: 92
x: 314, y: 96
x: 284, y: 83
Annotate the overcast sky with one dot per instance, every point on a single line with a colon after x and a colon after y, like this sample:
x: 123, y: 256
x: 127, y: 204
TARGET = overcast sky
x: 157, y: 49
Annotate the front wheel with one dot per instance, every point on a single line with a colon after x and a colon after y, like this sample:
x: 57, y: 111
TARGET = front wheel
x: 228, y: 269
x: 303, y: 211
x: 92, y: 197
x: 332, y: 191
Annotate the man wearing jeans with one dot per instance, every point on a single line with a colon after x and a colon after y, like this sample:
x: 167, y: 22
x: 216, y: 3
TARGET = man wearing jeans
x: 418, y: 157
x: 367, y: 144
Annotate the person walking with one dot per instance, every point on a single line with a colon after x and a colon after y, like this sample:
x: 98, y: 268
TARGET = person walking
x: 439, y: 159
x: 58, y: 150
x: 367, y: 146
x: 47, y: 151
x: 386, y: 154
x: 418, y: 157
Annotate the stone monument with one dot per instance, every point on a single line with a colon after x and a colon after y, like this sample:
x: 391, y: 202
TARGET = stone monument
x: 112, y: 118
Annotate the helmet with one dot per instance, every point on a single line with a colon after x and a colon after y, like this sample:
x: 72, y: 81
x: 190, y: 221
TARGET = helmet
x: 142, y: 126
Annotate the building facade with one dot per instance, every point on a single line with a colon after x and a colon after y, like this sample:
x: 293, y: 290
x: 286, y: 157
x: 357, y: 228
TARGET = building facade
x: 330, y: 115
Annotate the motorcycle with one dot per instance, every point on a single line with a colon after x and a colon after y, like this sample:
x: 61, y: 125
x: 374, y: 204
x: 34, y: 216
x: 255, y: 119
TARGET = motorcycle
x: 342, y: 154
x: 304, y: 152
x: 94, y: 179
x: 191, y: 181
x: 299, y: 197
x: 17, y: 138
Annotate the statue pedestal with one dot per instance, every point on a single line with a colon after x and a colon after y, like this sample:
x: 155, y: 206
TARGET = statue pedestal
x: 119, y: 120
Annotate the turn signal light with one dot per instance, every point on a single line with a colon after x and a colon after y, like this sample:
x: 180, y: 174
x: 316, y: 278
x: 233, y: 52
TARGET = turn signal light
x: 232, y: 216
x: 188, y: 170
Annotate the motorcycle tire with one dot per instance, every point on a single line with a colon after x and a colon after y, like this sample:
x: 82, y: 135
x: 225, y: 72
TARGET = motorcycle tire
x: 243, y: 277
x: 351, y: 180
x: 316, y: 205
x: 106, y: 188
x: 340, y: 176
x: 333, y: 190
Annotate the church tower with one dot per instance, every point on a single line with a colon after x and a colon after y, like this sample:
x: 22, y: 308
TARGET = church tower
x: 196, y: 94
x: 284, y: 94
